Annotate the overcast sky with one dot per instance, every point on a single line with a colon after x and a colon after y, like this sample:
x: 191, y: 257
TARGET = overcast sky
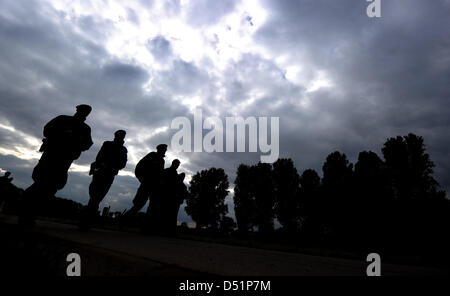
x: 337, y: 79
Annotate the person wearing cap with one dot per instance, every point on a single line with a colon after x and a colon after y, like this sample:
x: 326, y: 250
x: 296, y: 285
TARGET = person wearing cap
x: 111, y: 158
x: 65, y: 137
x: 149, y: 171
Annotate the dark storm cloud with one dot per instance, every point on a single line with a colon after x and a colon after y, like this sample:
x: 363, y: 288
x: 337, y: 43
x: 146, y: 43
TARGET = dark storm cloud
x: 390, y: 74
x: 184, y: 78
x: 125, y: 73
x: 94, y: 27
x: 39, y: 64
x: 254, y: 73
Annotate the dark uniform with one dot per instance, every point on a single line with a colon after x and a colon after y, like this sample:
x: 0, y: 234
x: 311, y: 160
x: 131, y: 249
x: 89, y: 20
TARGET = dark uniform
x: 65, y: 137
x: 175, y: 193
x: 111, y: 158
x: 181, y: 194
x: 149, y: 172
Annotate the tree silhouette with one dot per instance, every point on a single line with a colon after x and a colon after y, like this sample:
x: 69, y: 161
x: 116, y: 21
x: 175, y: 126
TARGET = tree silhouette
x: 205, y: 202
x: 393, y: 205
x: 286, y: 192
x: 337, y: 182
x: 372, y: 194
x: 227, y: 225
x: 410, y: 168
x: 254, y: 198
x: 417, y: 209
x: 264, y: 197
x: 311, y: 203
x: 370, y: 176
x: 244, y: 199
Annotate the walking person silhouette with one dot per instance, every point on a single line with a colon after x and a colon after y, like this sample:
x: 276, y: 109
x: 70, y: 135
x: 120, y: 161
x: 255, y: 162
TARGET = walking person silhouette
x: 111, y: 158
x: 172, y: 196
x: 65, y: 137
x: 149, y: 171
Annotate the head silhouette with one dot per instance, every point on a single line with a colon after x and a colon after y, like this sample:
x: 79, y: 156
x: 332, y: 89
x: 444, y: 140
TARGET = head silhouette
x: 161, y: 149
x: 83, y: 111
x: 119, y: 136
x: 175, y: 164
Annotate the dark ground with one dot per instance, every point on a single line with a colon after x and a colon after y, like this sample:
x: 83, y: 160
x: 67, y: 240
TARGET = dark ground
x: 43, y: 251
x: 30, y: 253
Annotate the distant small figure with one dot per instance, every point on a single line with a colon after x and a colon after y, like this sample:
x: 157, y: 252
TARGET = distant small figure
x: 65, y: 137
x: 5, y: 178
x: 5, y: 183
x: 149, y: 172
x: 10, y: 194
x: 111, y: 158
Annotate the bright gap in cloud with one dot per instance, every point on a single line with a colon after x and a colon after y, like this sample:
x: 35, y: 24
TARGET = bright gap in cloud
x: 28, y: 152
x: 321, y: 81
x: 220, y: 42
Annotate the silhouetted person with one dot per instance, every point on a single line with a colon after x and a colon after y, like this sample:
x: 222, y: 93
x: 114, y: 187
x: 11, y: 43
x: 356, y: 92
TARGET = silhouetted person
x: 5, y: 183
x: 5, y: 179
x: 65, y: 137
x: 149, y: 172
x: 179, y: 194
x: 168, y: 192
x: 111, y: 158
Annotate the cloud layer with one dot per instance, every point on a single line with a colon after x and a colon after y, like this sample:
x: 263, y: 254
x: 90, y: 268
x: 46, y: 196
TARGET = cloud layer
x: 337, y: 79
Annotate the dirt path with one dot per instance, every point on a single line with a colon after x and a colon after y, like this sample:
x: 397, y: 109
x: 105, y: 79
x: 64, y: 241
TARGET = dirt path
x: 171, y: 256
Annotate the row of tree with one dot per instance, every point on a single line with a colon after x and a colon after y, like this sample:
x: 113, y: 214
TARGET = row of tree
x: 392, y: 201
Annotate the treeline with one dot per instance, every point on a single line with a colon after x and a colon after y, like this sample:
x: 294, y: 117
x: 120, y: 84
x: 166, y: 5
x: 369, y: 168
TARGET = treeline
x: 57, y: 207
x: 390, y: 203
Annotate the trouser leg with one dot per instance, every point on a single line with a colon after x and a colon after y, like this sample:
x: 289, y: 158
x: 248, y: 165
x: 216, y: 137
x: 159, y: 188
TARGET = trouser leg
x: 176, y: 208
x: 49, y: 175
x: 98, y: 189
x: 139, y: 200
x: 155, y: 218
x: 27, y: 213
x: 34, y: 198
